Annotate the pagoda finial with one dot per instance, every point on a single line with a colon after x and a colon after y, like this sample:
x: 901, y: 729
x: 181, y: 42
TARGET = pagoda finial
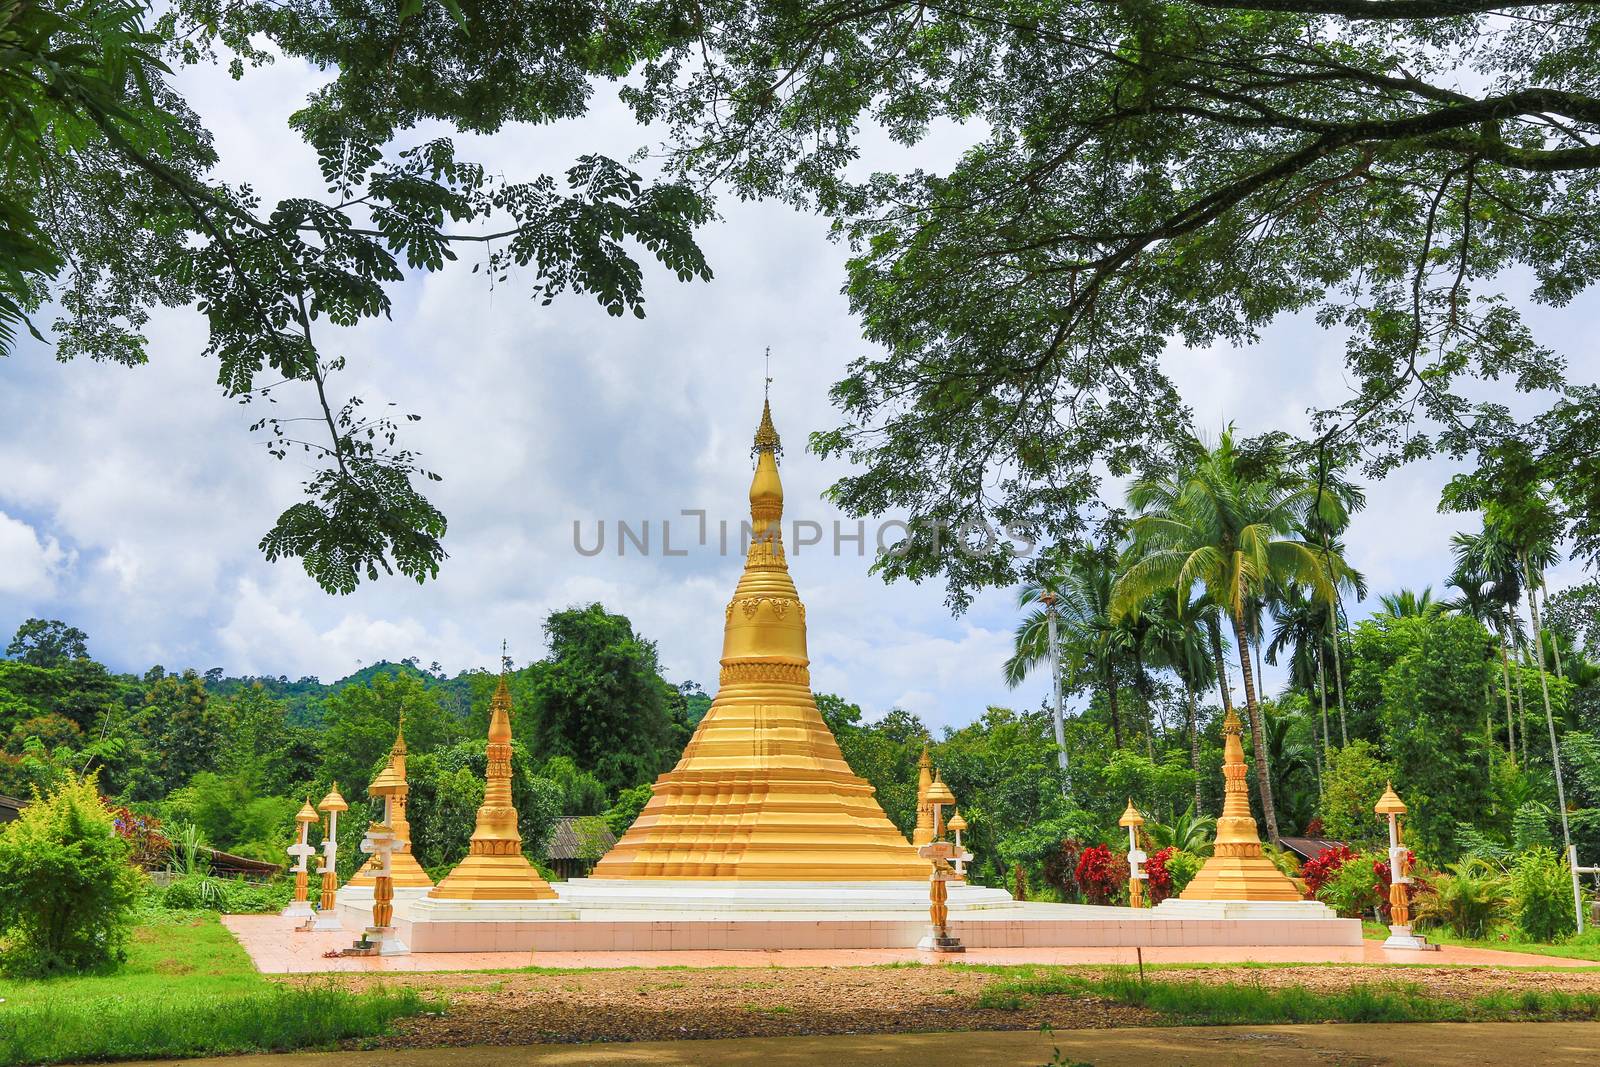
x: 766, y: 434
x: 505, y: 659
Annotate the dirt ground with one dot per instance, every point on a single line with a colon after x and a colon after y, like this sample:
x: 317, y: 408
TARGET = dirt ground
x: 666, y: 1004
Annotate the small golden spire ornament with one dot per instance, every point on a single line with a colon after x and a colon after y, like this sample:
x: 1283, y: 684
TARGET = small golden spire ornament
x: 924, y: 828
x: 391, y: 784
x: 1136, y: 857
x: 495, y: 868
x: 1390, y: 806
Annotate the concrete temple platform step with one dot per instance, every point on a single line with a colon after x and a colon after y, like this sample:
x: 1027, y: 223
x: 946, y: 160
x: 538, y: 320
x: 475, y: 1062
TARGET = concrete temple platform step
x: 554, y: 926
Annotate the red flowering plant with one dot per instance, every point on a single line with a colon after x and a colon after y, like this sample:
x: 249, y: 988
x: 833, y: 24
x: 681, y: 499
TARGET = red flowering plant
x: 148, y: 845
x: 1314, y: 827
x: 1099, y: 875
x: 1324, y: 865
x: 1160, y: 878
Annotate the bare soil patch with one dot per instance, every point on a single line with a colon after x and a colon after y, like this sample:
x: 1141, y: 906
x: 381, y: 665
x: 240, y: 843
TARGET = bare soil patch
x: 666, y: 1004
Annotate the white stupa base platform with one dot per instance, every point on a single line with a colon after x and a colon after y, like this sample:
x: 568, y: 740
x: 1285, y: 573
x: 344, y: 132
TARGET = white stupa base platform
x: 1282, y: 910
x: 298, y: 909
x: 433, y: 925
x: 594, y: 915
x: 710, y: 898
x: 327, y: 920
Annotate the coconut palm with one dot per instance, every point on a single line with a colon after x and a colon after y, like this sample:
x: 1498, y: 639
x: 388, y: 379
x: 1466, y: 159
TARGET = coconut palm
x: 1088, y: 645
x: 1211, y: 525
x: 1485, y: 562
x: 1410, y: 604
x: 1336, y: 499
x: 1303, y: 632
x: 1180, y: 642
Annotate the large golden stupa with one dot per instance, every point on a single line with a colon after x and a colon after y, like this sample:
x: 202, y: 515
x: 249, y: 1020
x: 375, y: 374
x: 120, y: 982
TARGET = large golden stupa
x: 762, y: 792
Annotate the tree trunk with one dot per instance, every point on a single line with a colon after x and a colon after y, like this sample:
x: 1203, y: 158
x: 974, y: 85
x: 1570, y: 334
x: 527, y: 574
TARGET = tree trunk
x: 1194, y: 741
x: 1555, y: 645
x: 1055, y: 692
x: 1257, y: 734
x: 1549, y: 716
x: 1322, y: 686
x: 1338, y: 672
x: 1522, y: 713
x: 1505, y: 686
x: 1116, y: 712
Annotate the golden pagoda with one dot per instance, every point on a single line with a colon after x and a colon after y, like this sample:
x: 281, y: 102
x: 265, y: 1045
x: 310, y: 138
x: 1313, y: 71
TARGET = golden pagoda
x: 391, y: 784
x: 762, y: 792
x: 495, y: 868
x: 1237, y: 869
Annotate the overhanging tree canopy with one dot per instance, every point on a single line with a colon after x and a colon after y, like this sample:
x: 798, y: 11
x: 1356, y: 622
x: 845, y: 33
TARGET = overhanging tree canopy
x: 1144, y: 173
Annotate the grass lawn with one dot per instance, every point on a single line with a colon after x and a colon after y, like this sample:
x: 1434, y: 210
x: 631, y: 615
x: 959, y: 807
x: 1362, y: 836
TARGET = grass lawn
x: 187, y: 989
x: 1235, y: 1003
x: 1585, y: 948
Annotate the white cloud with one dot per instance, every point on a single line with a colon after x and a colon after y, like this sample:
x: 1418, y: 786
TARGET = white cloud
x: 29, y: 565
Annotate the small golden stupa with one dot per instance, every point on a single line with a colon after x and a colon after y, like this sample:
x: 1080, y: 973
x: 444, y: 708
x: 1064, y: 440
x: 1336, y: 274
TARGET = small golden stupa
x: 391, y: 783
x: 762, y: 792
x: 495, y: 868
x: 1237, y: 869
x: 923, y: 833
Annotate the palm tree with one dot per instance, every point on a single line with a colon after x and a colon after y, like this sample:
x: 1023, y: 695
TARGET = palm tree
x: 1302, y: 631
x: 1211, y: 525
x: 1045, y: 591
x: 1410, y: 604
x: 1487, y: 581
x: 1490, y: 563
x: 1179, y: 642
x: 1337, y: 498
x: 1187, y: 832
x: 1079, y: 616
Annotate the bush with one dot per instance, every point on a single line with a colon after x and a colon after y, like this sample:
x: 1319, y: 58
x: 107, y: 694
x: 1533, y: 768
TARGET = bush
x: 1182, y: 867
x: 1159, y: 879
x: 203, y: 893
x: 1352, y: 890
x: 1324, y: 865
x: 67, y: 890
x: 1100, y: 876
x: 1468, y: 899
x: 1541, y: 896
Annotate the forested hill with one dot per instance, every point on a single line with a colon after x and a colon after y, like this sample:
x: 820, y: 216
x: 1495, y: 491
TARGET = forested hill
x: 235, y: 756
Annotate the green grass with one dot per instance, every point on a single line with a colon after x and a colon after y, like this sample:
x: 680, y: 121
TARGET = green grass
x: 1586, y: 947
x: 1206, y: 1003
x: 187, y: 989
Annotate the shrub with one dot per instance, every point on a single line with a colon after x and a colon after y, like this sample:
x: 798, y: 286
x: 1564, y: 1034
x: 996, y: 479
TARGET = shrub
x: 67, y: 890
x: 1159, y: 879
x: 1541, y: 896
x: 1352, y: 889
x: 1324, y: 865
x: 1182, y: 867
x: 1469, y: 898
x: 203, y: 893
x: 1098, y: 874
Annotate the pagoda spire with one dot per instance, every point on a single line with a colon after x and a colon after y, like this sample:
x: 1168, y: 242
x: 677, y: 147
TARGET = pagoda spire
x: 391, y: 783
x: 495, y: 868
x: 762, y: 791
x: 1237, y: 869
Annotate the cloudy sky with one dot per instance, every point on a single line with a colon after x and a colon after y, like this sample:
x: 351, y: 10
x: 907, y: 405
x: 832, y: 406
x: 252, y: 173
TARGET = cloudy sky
x: 132, y: 500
